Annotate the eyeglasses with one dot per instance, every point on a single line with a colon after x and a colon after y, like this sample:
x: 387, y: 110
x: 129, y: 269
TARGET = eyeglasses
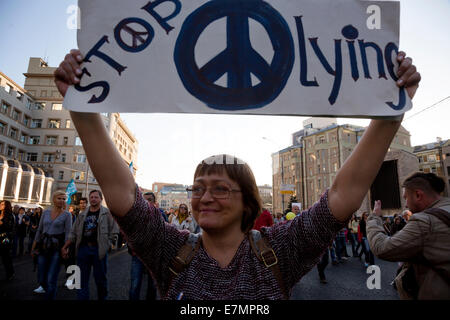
x: 185, y: 208
x: 217, y: 192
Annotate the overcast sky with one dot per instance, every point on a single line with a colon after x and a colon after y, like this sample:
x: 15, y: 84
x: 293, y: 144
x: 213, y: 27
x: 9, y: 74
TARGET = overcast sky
x: 170, y: 146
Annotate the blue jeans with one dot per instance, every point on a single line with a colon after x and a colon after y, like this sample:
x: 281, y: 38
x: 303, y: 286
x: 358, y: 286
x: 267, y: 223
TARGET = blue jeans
x: 369, y: 257
x: 341, y: 246
x: 354, y: 241
x: 49, y: 266
x: 88, y: 258
x: 136, y: 273
x: 333, y: 252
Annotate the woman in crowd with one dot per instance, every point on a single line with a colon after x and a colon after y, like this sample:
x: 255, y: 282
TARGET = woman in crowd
x: 183, y: 220
x: 368, y: 255
x: 225, y: 203
x: 35, y: 218
x: 353, y: 234
x: 52, y: 233
x: 7, y: 222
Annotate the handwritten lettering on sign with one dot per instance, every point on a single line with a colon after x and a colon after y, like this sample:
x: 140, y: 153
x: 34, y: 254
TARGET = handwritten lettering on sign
x: 335, y: 57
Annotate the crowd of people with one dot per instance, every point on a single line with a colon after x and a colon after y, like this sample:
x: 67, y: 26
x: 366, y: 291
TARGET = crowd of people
x: 193, y: 256
x: 68, y: 235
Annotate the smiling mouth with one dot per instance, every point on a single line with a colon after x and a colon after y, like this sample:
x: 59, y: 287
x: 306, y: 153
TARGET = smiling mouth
x: 208, y: 211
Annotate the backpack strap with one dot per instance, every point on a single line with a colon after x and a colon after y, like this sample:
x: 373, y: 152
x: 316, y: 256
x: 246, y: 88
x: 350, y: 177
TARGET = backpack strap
x: 266, y: 255
x: 444, y: 216
x: 185, y: 254
x: 440, y: 214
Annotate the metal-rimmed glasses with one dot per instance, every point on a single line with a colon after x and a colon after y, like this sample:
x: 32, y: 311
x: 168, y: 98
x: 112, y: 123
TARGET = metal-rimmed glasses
x: 217, y: 192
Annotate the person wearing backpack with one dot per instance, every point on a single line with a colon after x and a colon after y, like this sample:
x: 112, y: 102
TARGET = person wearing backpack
x: 423, y: 244
x: 230, y: 260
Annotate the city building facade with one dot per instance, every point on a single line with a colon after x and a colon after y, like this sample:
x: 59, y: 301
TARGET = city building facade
x: 37, y: 137
x: 317, y: 153
x: 433, y: 157
x: 171, y: 195
x: 265, y: 192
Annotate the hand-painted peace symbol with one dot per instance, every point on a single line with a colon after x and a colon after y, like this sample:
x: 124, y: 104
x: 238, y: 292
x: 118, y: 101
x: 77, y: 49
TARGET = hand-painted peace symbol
x: 239, y: 60
x: 140, y: 39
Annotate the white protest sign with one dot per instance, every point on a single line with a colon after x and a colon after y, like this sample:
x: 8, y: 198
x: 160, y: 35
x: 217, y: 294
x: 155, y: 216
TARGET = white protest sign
x: 298, y: 204
x: 283, y: 57
x: 287, y: 188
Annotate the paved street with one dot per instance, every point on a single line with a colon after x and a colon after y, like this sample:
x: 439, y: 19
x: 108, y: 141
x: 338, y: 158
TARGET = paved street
x: 346, y: 281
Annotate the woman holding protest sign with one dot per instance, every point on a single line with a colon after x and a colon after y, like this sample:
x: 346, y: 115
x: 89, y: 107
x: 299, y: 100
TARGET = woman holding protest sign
x: 230, y: 261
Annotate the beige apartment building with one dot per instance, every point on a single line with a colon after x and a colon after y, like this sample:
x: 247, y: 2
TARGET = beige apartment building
x: 265, y: 192
x: 433, y: 157
x: 37, y: 132
x: 317, y: 153
x: 446, y: 164
x: 171, y: 195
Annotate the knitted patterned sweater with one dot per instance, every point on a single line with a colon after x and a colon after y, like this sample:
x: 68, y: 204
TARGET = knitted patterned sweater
x: 298, y: 245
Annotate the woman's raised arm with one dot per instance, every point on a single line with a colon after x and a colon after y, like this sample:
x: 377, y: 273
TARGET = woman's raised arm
x: 358, y: 172
x: 110, y: 170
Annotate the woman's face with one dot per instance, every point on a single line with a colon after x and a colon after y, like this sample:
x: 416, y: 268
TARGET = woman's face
x: 183, y: 210
x: 2, y: 205
x: 214, y: 214
x: 59, y: 201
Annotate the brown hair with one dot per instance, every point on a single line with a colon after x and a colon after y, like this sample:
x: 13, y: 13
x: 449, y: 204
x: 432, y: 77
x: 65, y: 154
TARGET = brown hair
x: 181, y: 217
x: 427, y: 182
x: 239, y: 172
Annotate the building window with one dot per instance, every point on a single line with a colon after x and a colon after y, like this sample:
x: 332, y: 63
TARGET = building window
x: 335, y: 167
x: 51, y: 140
x: 432, y: 158
x: 49, y: 157
x: 425, y: 159
x: 322, y: 139
x: 81, y: 158
x: 78, y: 141
x: 68, y: 124
x: 2, y: 127
x: 433, y: 169
x: 34, y: 140
x: 36, y: 123
x: 29, y: 104
x: 8, y: 88
x: 65, y: 140
x: 21, y: 155
x: 77, y: 175
x: 54, y: 123
x: 5, y: 108
x: 61, y: 175
x: 31, y: 157
x: 13, y: 133
x: 63, y: 157
x: 39, y: 106
x: 16, y: 114
x: 57, y: 106
x: 23, y: 138
x: 26, y: 121
x: 10, y: 151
